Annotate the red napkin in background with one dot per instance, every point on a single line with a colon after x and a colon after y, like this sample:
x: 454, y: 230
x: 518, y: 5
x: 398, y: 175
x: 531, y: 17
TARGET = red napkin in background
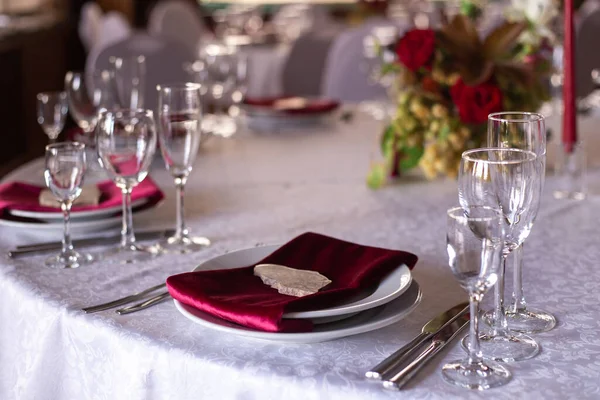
x: 313, y: 106
x: 238, y: 296
x: 25, y: 196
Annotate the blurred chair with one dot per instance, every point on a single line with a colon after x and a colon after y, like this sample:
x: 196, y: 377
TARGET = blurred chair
x: 586, y: 47
x: 90, y: 24
x: 164, y: 61
x: 113, y: 28
x: 346, y: 76
x: 303, y: 69
x: 178, y: 20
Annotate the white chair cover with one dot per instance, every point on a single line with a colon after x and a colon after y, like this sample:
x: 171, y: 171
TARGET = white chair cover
x: 303, y: 69
x: 586, y: 47
x: 179, y: 21
x: 90, y: 24
x: 346, y: 75
x: 114, y: 27
x: 164, y: 61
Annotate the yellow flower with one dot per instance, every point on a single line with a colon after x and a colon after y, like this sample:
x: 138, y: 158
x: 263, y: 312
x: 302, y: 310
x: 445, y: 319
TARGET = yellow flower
x: 456, y: 141
x: 419, y: 110
x: 439, y: 111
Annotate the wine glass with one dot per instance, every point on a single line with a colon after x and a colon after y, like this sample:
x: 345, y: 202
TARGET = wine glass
x: 508, y: 179
x: 126, y: 142
x: 180, y: 134
x: 524, y: 131
x: 130, y: 79
x: 474, y: 242
x: 52, y: 108
x: 65, y: 168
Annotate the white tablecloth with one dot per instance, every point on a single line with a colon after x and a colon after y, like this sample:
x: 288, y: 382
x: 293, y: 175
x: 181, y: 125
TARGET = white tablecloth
x: 267, y: 189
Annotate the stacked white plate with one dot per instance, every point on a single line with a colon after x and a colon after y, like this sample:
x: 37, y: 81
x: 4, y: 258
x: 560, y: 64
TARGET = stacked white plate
x: 396, y: 296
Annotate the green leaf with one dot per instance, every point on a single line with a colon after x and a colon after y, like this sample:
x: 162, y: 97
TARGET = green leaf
x: 377, y: 176
x: 444, y: 131
x: 410, y: 157
x: 387, y: 139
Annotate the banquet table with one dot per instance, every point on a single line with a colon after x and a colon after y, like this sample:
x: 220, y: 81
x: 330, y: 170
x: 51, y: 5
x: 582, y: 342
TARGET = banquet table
x: 257, y: 189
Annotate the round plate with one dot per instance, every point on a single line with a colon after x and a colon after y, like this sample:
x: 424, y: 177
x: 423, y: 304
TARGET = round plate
x: 391, y: 287
x: 57, y: 217
x: 366, y: 321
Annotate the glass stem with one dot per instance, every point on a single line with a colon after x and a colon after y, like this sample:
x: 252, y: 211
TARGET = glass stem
x: 67, y: 246
x: 475, y: 355
x: 181, y: 230
x: 500, y: 324
x: 518, y: 303
x: 127, y: 236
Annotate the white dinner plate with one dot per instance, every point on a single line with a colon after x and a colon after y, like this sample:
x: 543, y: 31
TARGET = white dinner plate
x: 365, y: 321
x: 391, y: 287
x: 57, y: 217
x: 80, y: 226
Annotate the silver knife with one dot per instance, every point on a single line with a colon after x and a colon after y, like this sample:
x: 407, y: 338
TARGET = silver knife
x: 142, y: 306
x: 431, y: 328
x: 30, y: 249
x: 395, y: 380
x: 122, y: 301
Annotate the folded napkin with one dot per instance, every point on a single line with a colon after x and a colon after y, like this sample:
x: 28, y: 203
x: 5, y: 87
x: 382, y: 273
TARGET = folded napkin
x: 25, y: 196
x: 90, y: 196
x: 239, y: 296
x: 294, y: 105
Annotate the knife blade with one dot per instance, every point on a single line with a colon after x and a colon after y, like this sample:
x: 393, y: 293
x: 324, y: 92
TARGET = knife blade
x: 432, y: 327
x: 396, y: 379
x: 30, y: 249
x: 142, y: 306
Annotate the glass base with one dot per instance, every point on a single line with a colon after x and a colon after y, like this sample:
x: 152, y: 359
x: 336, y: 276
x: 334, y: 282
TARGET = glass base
x: 131, y: 254
x: 479, y: 376
x: 530, y: 321
x: 71, y: 259
x: 507, y: 347
x: 183, y: 244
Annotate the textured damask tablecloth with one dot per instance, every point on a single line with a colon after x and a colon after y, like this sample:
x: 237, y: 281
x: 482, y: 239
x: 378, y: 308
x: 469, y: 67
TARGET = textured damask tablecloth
x: 266, y: 189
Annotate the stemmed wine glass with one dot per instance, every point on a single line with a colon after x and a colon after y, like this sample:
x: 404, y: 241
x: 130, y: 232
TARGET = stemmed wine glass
x: 474, y: 241
x: 65, y: 168
x: 126, y: 142
x: 526, y: 131
x: 180, y: 134
x: 130, y: 80
x: 52, y: 108
x: 508, y: 179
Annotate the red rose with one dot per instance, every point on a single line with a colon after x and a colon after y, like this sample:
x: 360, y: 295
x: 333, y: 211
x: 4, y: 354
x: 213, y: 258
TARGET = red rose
x: 475, y: 103
x: 415, y: 48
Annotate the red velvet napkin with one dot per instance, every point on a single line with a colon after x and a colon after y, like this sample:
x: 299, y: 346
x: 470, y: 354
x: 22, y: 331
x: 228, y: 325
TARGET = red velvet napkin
x: 239, y: 296
x: 313, y: 106
x: 25, y: 196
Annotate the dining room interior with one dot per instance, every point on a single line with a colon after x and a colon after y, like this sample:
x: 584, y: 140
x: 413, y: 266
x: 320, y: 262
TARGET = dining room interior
x: 299, y: 199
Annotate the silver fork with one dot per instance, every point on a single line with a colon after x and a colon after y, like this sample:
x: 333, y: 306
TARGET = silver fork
x: 142, y: 306
x: 122, y: 301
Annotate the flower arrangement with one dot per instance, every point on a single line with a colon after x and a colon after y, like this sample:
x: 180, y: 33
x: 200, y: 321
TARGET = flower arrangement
x: 449, y: 80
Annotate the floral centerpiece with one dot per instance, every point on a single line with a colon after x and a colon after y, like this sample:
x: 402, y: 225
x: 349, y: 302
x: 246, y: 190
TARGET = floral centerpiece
x: 449, y: 80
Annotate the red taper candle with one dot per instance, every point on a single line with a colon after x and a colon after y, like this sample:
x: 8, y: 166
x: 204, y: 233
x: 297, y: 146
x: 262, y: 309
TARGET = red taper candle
x: 569, y: 112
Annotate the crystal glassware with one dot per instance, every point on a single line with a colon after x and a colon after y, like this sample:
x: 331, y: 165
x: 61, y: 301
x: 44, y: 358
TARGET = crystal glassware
x: 526, y: 131
x: 179, y: 135
x: 65, y: 168
x: 126, y: 142
x: 130, y: 80
x: 474, y: 242
x: 52, y: 109
x: 508, y: 179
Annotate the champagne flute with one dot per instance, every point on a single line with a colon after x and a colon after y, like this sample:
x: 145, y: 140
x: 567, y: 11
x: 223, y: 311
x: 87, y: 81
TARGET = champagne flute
x: 526, y: 131
x: 474, y: 241
x: 180, y: 134
x: 126, y: 142
x: 52, y: 108
x: 130, y: 80
x: 65, y: 167
x: 508, y: 179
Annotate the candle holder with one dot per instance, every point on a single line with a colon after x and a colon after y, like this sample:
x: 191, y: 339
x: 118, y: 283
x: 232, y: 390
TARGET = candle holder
x: 571, y: 172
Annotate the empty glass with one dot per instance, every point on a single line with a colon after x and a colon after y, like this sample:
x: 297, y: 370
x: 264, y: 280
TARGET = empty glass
x: 474, y: 241
x: 130, y: 80
x: 52, y: 108
x: 179, y: 134
x: 526, y: 131
x: 508, y: 179
x: 65, y: 168
x: 126, y: 142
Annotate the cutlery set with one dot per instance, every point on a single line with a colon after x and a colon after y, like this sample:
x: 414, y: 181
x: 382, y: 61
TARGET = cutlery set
x: 397, y: 369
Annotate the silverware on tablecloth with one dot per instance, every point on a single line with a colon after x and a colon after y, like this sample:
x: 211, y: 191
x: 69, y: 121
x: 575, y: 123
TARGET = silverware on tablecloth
x: 142, y: 306
x: 429, y: 329
x: 122, y: 301
x: 32, y: 249
x: 397, y: 378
